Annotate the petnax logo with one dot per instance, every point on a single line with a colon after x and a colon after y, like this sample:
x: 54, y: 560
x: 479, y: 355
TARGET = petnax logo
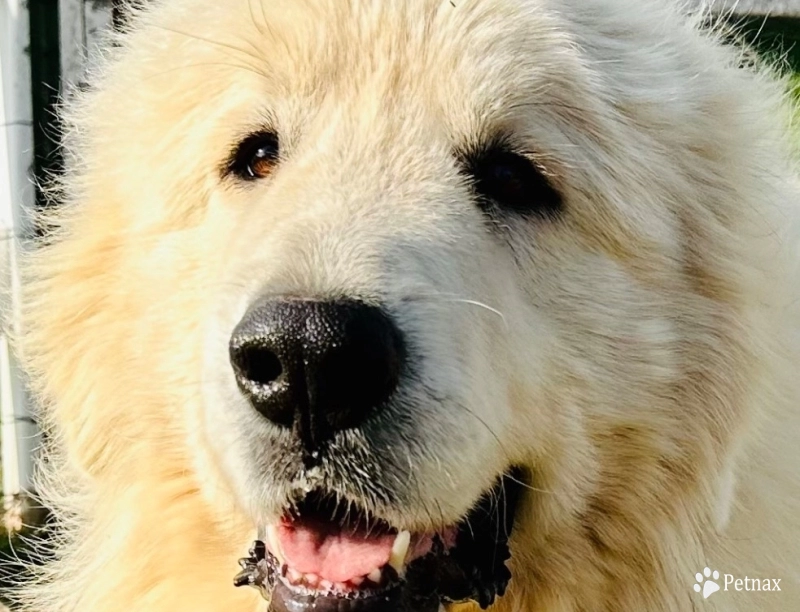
x: 708, y: 581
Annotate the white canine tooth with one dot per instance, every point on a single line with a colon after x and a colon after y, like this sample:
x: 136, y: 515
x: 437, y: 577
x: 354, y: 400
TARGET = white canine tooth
x: 325, y: 585
x: 356, y: 582
x: 341, y: 587
x: 375, y: 575
x: 400, y: 552
x: 275, y: 544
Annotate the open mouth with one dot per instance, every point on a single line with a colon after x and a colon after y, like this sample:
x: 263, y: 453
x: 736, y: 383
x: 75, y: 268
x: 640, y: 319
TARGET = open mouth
x: 330, y: 557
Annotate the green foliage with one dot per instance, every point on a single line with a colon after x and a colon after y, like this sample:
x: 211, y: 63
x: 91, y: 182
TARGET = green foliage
x: 777, y: 39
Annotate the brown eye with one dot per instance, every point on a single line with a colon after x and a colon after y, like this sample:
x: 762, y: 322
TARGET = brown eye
x: 506, y: 181
x: 255, y: 157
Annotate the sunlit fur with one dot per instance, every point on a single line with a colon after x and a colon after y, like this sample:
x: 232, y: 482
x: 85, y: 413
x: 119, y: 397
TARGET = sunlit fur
x: 637, y: 354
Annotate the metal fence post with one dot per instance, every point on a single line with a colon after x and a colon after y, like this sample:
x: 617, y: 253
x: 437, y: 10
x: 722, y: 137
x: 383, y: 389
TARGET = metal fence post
x: 18, y: 434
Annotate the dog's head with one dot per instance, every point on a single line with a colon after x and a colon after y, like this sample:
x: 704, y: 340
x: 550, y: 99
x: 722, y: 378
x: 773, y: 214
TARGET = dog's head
x: 360, y: 268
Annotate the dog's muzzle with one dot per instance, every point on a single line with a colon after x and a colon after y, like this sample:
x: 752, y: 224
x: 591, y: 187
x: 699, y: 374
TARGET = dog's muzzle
x: 319, y: 369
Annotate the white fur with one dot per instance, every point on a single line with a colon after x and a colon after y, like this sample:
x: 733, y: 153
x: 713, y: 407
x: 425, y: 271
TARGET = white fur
x: 635, y: 354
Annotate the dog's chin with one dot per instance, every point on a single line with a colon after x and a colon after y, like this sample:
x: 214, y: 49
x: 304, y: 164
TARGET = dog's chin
x: 328, y: 556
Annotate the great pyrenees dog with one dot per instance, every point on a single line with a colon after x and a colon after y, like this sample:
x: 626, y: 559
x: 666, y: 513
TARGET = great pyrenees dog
x: 421, y: 305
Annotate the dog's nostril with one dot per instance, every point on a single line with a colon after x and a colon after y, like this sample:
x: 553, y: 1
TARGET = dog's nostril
x: 258, y: 364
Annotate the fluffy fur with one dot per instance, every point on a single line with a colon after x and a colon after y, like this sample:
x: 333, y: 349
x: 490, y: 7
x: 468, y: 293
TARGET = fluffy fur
x: 636, y: 353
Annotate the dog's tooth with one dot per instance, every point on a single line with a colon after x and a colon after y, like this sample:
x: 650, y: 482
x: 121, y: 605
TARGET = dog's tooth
x: 400, y: 552
x: 275, y: 544
x: 312, y: 580
x: 294, y: 576
x: 375, y: 575
x: 356, y: 582
x: 325, y: 585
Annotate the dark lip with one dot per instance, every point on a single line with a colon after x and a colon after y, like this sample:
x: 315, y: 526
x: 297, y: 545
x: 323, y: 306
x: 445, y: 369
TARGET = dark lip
x: 284, y: 599
x: 474, y: 569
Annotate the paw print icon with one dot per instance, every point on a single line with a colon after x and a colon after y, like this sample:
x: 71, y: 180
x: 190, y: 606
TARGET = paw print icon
x: 706, y: 582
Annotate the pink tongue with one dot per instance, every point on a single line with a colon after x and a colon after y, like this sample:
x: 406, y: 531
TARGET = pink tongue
x: 334, y: 554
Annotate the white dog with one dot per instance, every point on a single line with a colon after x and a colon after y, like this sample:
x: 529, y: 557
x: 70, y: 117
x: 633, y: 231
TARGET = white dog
x: 410, y: 286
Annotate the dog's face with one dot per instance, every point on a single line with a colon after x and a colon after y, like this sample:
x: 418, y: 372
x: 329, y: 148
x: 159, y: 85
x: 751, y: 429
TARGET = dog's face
x: 355, y: 174
x: 375, y: 335
x: 384, y: 253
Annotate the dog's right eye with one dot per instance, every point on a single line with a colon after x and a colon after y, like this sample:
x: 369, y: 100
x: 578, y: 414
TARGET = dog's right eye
x: 507, y: 181
x: 255, y: 157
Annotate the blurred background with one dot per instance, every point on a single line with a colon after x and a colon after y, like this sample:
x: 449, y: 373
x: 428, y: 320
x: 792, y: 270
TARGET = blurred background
x: 45, y: 46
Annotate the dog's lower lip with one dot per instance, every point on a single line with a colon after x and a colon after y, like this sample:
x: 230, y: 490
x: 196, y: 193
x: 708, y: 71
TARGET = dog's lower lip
x: 285, y: 599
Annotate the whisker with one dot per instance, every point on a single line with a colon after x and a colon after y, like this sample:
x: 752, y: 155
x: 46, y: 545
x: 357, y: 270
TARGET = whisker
x: 451, y: 297
x: 496, y: 439
x: 482, y: 305
x: 525, y: 485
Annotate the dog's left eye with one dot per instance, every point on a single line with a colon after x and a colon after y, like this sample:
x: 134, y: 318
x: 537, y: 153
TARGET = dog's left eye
x: 255, y: 157
x: 510, y: 182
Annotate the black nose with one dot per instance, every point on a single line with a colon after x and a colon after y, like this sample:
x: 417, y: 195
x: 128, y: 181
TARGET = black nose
x: 317, y: 366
